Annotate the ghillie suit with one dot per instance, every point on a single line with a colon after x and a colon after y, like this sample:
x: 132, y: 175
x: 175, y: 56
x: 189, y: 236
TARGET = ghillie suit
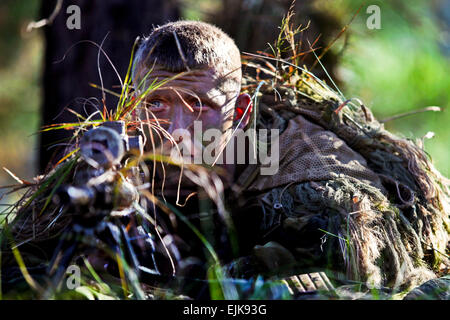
x: 349, y: 196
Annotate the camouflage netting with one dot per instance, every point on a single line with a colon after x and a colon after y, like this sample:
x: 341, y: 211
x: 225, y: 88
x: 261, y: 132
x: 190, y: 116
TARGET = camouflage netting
x: 340, y: 171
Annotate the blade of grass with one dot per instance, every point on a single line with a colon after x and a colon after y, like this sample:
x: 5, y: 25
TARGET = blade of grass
x: 97, y: 278
x: 127, y: 81
x: 338, y: 36
x: 122, y: 275
x: 44, y: 186
x: 67, y: 156
x: 76, y: 113
x: 151, y: 88
x: 333, y: 235
x: 215, y: 289
x: 69, y: 126
x: 58, y: 183
x: 22, y: 267
x: 106, y: 90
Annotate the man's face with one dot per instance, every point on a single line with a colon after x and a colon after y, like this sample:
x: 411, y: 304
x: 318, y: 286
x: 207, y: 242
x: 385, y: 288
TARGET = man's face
x: 198, y: 95
x: 195, y: 96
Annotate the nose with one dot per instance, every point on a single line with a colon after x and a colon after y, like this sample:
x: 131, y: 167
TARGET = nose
x: 179, y: 118
x: 182, y: 130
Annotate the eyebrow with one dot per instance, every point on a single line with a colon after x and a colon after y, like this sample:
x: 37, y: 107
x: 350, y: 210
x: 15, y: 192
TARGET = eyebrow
x: 160, y: 94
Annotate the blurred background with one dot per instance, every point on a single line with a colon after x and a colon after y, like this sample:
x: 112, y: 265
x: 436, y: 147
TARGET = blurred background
x: 403, y: 66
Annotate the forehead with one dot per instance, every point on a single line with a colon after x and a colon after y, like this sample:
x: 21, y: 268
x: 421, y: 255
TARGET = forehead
x: 206, y: 83
x: 199, y: 79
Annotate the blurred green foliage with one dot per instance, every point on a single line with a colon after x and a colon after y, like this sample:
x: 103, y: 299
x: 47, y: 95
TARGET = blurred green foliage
x: 20, y: 72
x: 199, y: 9
x: 401, y: 67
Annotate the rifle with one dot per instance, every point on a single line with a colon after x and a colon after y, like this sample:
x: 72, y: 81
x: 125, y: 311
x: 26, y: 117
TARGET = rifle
x: 103, y: 201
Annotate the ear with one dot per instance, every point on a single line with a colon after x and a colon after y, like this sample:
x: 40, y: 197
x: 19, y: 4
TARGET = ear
x: 243, y: 103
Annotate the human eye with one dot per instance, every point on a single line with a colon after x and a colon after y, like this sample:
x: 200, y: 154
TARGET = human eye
x: 155, y: 105
x: 198, y: 105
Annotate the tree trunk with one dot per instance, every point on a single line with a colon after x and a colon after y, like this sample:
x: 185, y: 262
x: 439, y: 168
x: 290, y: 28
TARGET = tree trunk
x: 66, y: 82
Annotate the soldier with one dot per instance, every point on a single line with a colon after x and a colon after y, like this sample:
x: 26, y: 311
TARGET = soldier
x: 331, y: 190
x: 350, y: 199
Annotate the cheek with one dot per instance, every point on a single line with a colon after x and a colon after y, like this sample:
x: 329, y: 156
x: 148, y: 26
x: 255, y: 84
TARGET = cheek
x: 144, y: 113
x: 162, y: 116
x: 211, y: 119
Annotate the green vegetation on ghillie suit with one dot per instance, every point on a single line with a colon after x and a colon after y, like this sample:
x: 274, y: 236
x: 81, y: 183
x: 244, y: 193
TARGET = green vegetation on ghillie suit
x: 350, y: 198
x: 374, y: 199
